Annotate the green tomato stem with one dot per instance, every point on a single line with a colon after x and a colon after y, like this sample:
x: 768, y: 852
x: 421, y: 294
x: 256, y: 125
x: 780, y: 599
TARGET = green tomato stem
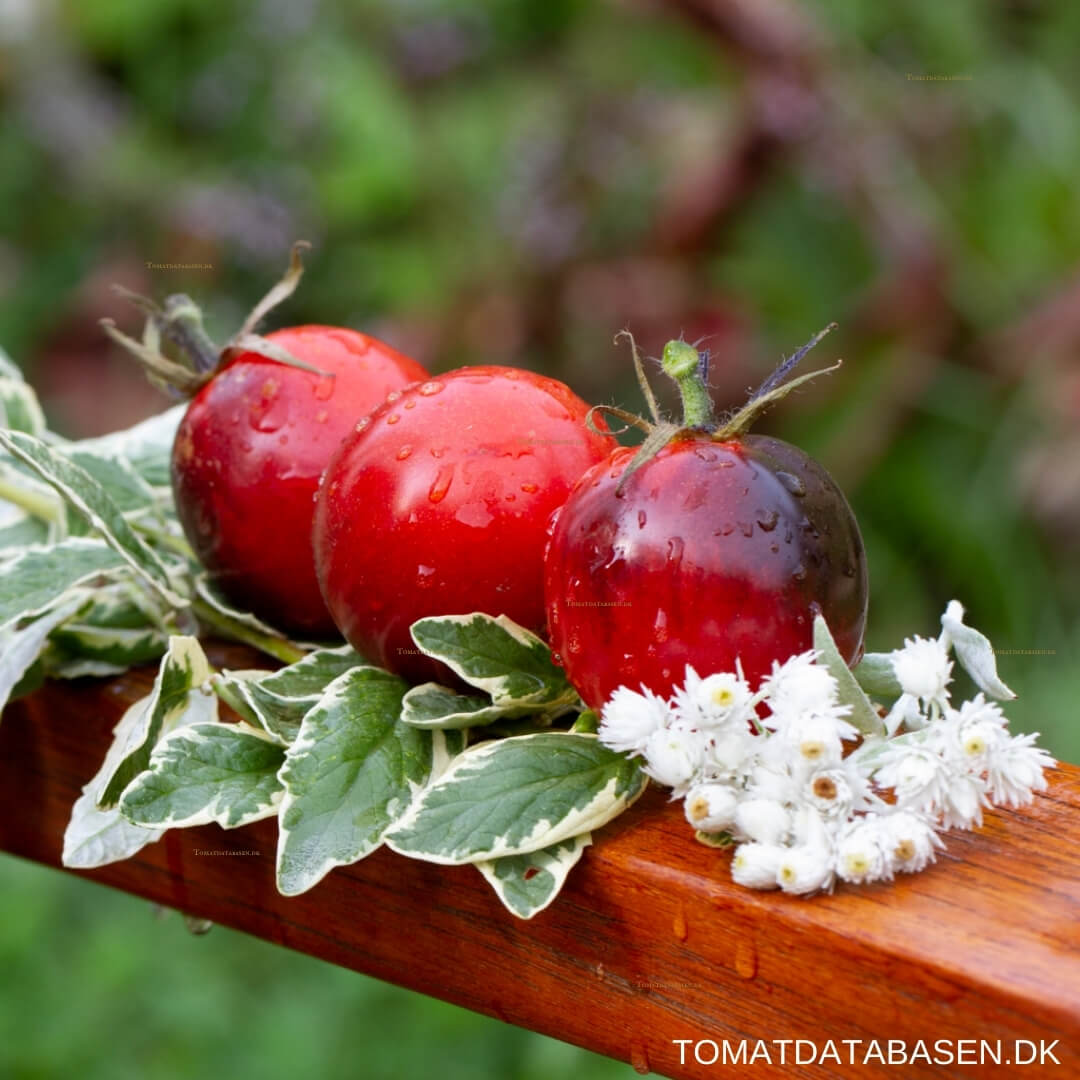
x: 683, y: 363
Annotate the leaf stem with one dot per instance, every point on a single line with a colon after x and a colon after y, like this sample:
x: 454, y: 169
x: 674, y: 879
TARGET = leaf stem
x: 37, y: 505
x: 278, y: 648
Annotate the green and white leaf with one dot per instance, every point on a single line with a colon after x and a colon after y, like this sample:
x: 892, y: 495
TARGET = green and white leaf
x: 115, y: 633
x: 875, y: 674
x: 96, y: 837
x: 22, y: 643
x: 19, y: 406
x: 177, y: 700
x: 116, y: 476
x: 81, y: 491
x: 21, y: 530
x: 147, y: 446
x: 278, y: 701
x: 526, y: 884
x: 352, y: 771
x: 207, y: 773
x: 32, y: 581
x: 863, y: 715
x: 435, y: 706
x: 497, y: 656
x: 514, y: 796
x: 974, y: 651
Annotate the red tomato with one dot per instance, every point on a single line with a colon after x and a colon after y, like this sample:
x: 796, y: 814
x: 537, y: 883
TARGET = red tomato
x: 712, y: 551
x: 439, y: 502
x: 248, y: 456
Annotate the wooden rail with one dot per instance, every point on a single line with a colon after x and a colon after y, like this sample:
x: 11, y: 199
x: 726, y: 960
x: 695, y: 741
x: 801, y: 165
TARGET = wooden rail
x: 650, y: 942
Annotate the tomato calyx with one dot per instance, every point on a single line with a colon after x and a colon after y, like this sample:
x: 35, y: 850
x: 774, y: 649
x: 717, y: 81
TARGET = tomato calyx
x: 689, y: 368
x: 179, y: 322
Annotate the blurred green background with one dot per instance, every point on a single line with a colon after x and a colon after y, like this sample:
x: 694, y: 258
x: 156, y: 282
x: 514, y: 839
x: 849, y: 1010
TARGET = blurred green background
x: 511, y: 182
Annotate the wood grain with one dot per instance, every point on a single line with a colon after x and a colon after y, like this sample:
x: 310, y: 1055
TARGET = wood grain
x: 650, y: 942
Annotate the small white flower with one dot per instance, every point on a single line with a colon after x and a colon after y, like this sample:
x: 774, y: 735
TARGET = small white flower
x: 965, y: 797
x: 754, y: 866
x: 762, y: 820
x: 772, y: 781
x: 859, y: 852
x: 829, y: 792
x: 923, y: 669
x: 720, y: 700
x: 909, y: 841
x: 918, y: 775
x: 711, y: 807
x: 973, y: 732
x: 805, y: 869
x: 1015, y: 770
x: 726, y: 753
x: 796, y: 687
x: 818, y: 739
x: 674, y: 756
x: 629, y: 718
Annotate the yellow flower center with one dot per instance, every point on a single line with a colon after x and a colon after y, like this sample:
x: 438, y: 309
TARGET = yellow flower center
x: 723, y: 696
x: 905, y: 851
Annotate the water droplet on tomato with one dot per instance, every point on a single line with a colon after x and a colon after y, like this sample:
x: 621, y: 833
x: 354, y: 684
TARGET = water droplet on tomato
x: 410, y: 404
x: 747, y: 528
x: 767, y: 520
x: 511, y: 497
x: 573, y: 646
x: 641, y: 519
x: 404, y: 452
x: 324, y: 388
x: 675, y: 548
x: 799, y: 573
x: 394, y: 395
x: 443, y: 479
x: 704, y: 453
x: 283, y: 440
x: 774, y: 548
x: 725, y: 530
x: 849, y: 570
x: 556, y: 659
x: 529, y: 489
x: 425, y: 576
x: 321, y: 417
x: 793, y: 483
x: 363, y: 423
x: 660, y: 627
x: 429, y: 388
x: 393, y: 418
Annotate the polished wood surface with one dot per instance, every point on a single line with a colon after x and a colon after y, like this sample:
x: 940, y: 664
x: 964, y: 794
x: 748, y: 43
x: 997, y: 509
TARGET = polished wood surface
x: 650, y: 942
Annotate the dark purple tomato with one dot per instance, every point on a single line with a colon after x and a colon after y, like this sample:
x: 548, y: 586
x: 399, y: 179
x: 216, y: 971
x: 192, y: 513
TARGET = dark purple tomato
x: 711, y: 552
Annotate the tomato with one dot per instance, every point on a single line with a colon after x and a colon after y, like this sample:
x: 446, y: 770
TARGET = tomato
x: 707, y: 552
x: 249, y: 453
x: 438, y: 505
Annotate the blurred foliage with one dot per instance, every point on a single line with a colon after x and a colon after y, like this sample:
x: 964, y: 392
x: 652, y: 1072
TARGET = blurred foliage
x: 511, y: 182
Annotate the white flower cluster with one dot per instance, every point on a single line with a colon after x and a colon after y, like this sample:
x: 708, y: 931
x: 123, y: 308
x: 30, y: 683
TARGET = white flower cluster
x: 766, y: 769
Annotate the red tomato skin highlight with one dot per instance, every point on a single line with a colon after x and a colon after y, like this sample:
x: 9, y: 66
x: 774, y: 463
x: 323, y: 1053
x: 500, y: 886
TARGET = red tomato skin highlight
x: 712, y: 551
x: 248, y: 456
x: 439, y: 503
